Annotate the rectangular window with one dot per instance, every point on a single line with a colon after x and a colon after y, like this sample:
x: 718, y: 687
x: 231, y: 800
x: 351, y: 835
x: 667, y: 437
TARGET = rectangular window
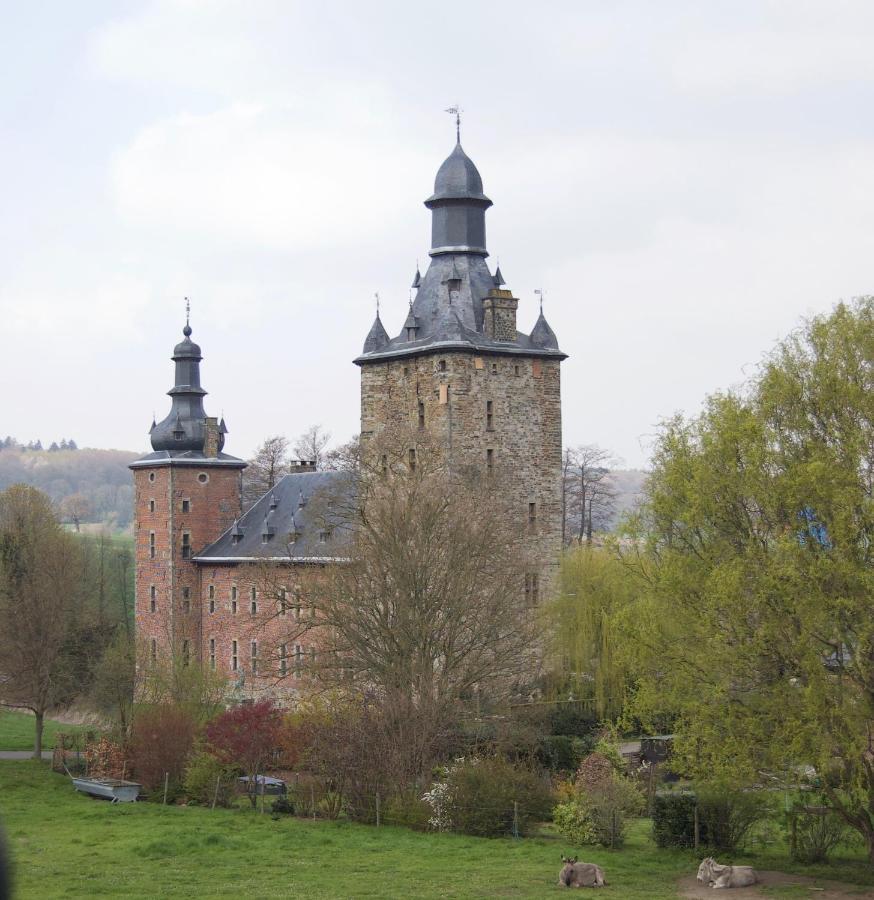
x: 153, y: 651
x: 212, y: 654
x: 494, y: 368
x: 186, y: 652
x: 490, y: 416
x: 151, y: 545
x: 298, y: 656
x: 532, y: 589
x: 444, y: 394
x: 412, y: 460
x: 234, y: 599
x: 153, y: 598
x: 516, y: 370
x: 235, y: 660
x: 253, y: 601
x: 212, y: 592
x: 384, y: 465
x: 283, y: 601
x: 186, y: 593
x: 254, y: 657
x: 212, y: 606
x: 532, y: 514
x: 297, y: 613
x: 283, y: 659
x: 151, y: 506
x: 536, y: 368
x: 421, y: 414
x: 186, y: 600
x: 490, y: 461
x: 186, y: 545
x: 186, y: 506
x: 324, y: 535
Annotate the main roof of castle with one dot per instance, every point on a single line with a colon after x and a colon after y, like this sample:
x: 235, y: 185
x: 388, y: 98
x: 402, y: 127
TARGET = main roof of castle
x: 301, y: 519
x: 448, y: 311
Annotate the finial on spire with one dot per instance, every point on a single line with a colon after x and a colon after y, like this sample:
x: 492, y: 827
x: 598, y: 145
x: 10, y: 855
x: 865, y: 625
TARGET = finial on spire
x: 540, y: 292
x: 456, y: 111
x: 376, y: 295
x: 187, y: 329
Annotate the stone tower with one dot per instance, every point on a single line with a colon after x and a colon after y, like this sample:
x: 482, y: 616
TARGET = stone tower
x: 489, y: 394
x: 187, y: 493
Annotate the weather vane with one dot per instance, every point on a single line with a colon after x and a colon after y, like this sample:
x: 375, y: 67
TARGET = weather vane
x: 540, y: 293
x: 456, y: 111
x: 187, y: 310
x: 377, y: 301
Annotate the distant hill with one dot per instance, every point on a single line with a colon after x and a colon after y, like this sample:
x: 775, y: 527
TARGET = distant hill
x: 629, y: 485
x: 100, y: 477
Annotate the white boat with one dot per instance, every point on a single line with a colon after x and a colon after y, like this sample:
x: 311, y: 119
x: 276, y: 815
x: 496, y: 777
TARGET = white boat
x: 114, y: 789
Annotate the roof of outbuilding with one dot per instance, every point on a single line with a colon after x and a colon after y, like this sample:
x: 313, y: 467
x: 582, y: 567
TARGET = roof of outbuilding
x: 308, y: 505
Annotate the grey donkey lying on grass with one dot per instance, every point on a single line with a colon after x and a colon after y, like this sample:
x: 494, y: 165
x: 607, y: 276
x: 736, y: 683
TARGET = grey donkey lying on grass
x: 577, y: 874
x: 717, y: 876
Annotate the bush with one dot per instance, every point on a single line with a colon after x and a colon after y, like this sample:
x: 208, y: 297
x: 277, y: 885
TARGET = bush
x: 813, y: 832
x: 594, y: 769
x: 162, y: 737
x: 283, y: 806
x: 486, y: 796
x: 608, y: 805
x: 201, y: 775
x: 725, y: 817
x: 572, y: 821
x: 560, y: 752
x: 408, y: 810
x: 673, y: 819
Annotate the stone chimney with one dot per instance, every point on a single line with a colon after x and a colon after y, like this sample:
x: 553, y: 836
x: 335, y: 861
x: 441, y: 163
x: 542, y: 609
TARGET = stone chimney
x: 211, y: 437
x: 499, y: 315
x: 302, y: 465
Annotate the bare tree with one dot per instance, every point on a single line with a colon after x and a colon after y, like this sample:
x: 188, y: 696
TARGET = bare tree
x: 265, y: 468
x: 423, y: 610
x: 75, y: 509
x: 345, y: 457
x: 588, y: 492
x: 312, y: 444
x: 39, y: 588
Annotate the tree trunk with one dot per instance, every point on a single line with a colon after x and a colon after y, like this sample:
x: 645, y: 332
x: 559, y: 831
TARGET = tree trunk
x: 37, y: 737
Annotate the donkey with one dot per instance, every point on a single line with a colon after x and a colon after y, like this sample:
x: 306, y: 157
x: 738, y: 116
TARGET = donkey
x: 577, y: 874
x: 717, y: 876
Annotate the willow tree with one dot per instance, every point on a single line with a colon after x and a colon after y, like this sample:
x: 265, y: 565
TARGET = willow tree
x: 756, y: 550
x: 588, y: 660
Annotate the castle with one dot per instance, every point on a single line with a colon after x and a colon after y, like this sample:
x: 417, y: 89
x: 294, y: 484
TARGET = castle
x: 459, y: 370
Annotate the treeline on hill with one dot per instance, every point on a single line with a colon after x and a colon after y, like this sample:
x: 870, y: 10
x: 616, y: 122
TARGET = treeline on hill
x: 88, y: 487
x: 66, y: 609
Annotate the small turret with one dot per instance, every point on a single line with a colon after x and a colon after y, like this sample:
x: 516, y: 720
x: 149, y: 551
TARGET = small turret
x: 377, y: 337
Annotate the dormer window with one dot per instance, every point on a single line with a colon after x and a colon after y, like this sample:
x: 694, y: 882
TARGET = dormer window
x: 236, y: 538
x: 324, y: 536
x: 178, y: 435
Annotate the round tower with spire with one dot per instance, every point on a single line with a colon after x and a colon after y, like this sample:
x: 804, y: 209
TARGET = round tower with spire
x: 460, y: 368
x: 187, y: 493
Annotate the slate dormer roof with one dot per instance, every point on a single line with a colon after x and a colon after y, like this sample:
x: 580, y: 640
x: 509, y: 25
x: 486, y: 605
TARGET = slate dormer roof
x: 300, y: 519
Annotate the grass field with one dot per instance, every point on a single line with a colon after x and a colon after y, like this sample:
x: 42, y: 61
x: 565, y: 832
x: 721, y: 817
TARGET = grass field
x: 16, y: 731
x: 67, y: 845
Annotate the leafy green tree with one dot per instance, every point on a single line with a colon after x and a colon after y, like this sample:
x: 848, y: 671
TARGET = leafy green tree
x: 755, y: 550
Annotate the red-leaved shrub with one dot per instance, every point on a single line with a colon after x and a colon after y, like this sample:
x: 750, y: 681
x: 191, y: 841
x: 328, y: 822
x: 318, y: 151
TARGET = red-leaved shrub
x: 161, y: 740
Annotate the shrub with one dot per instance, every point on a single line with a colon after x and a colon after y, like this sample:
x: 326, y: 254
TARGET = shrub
x: 203, y: 773
x: 726, y: 816
x: 560, y: 752
x: 409, y: 810
x: 162, y: 737
x: 813, y: 832
x: 572, y: 821
x: 673, y: 819
x: 608, y: 805
x: 488, y: 796
x: 283, y: 806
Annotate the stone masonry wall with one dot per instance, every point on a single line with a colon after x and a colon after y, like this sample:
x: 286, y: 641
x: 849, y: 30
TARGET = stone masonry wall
x: 524, y: 432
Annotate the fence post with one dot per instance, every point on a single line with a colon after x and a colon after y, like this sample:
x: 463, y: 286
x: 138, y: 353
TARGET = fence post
x: 696, y: 826
x: 218, y: 778
x: 166, y: 782
x: 515, y: 818
x: 613, y: 829
x: 313, y: 801
x: 377, y: 809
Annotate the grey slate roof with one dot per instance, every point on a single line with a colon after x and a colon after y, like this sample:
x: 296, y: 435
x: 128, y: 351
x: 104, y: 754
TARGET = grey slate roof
x: 307, y: 504
x: 442, y: 317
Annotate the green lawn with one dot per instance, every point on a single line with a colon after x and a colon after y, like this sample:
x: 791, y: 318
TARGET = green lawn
x: 17, y: 729
x: 67, y: 845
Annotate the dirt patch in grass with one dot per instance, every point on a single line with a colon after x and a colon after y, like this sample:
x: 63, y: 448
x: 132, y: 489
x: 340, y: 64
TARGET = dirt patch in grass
x: 779, y: 884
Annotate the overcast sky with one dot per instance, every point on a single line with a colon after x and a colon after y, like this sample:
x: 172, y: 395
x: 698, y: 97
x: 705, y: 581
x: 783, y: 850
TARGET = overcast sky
x: 684, y: 180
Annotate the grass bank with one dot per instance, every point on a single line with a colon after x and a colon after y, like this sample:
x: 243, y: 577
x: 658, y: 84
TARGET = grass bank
x: 67, y: 845
x: 17, y: 731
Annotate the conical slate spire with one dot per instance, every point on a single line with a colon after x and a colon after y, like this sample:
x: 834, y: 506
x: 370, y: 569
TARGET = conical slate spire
x: 499, y: 278
x: 417, y: 280
x: 542, y: 335
x: 377, y: 337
